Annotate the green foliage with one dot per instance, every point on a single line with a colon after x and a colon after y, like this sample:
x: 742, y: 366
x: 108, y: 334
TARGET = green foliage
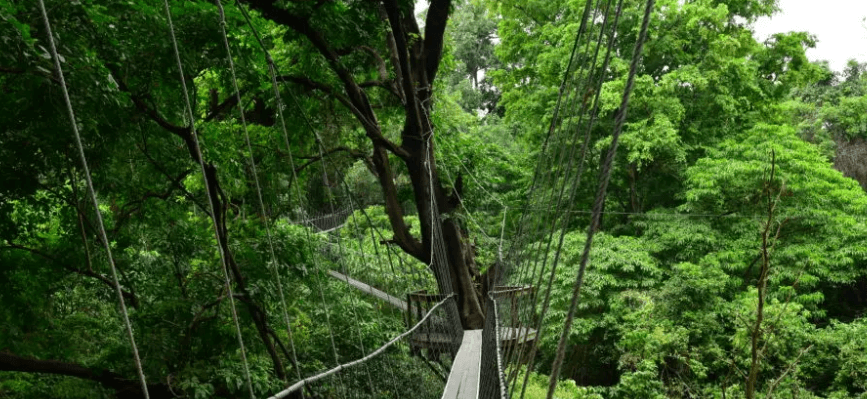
x: 814, y: 199
x: 618, y: 264
x: 669, y: 298
x: 537, y: 388
x: 363, y: 253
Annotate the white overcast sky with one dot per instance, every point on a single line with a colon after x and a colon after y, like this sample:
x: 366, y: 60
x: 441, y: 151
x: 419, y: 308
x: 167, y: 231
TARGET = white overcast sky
x: 838, y: 25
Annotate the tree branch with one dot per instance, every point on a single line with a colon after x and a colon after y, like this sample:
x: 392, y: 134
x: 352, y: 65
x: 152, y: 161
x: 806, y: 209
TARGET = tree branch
x: 393, y: 14
x: 360, y: 105
x: 391, y: 44
x: 16, y: 71
x: 129, y: 296
x: 376, y: 137
x: 402, y: 236
x: 270, y: 10
x: 788, y: 370
x: 224, y: 106
x: 154, y: 115
x: 130, y: 208
x: 352, y: 153
x: 312, y: 84
x: 528, y: 14
x: 380, y: 64
x: 162, y: 170
x: 184, y: 132
x: 71, y: 203
x: 125, y: 388
x: 283, y: 348
x: 434, y: 30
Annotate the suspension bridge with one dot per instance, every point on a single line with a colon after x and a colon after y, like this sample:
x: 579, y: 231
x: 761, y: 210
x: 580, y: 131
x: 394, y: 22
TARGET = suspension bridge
x: 494, y: 361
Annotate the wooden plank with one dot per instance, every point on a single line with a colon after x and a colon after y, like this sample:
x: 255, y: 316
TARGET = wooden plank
x: 463, y: 380
x: 367, y: 289
x: 521, y: 334
x: 424, y: 339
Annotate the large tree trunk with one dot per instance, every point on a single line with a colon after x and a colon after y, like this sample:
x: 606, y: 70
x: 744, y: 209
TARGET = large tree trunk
x: 460, y: 258
x: 464, y: 273
x: 849, y: 158
x: 414, y: 64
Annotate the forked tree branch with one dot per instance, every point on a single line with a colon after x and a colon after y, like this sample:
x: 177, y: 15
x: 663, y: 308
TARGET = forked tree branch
x: 360, y: 105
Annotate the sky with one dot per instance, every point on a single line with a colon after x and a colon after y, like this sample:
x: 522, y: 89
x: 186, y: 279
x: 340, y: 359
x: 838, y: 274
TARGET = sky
x: 839, y: 27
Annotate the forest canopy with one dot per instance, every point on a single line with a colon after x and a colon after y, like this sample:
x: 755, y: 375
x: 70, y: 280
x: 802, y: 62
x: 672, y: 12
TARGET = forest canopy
x: 378, y: 138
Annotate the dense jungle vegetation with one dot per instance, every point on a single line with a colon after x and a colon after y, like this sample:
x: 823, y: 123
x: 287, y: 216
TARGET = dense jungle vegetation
x: 731, y: 261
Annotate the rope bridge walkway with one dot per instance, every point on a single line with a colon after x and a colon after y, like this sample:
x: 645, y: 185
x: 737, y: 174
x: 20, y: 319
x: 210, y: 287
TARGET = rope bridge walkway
x: 493, y: 362
x: 391, y: 300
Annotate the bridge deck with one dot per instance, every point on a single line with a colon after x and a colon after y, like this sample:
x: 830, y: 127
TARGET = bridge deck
x: 463, y: 380
x: 366, y: 288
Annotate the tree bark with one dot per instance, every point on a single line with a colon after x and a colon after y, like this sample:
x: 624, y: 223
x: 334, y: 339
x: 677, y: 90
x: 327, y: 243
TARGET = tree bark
x: 415, y: 64
x: 124, y: 388
x: 260, y: 318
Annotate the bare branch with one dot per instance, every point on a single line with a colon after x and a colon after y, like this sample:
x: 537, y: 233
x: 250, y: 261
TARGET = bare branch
x: 138, y: 101
x: 380, y: 64
x: 165, y: 173
x: 392, y: 11
x: 788, y: 370
x: 312, y: 84
x: 17, y: 71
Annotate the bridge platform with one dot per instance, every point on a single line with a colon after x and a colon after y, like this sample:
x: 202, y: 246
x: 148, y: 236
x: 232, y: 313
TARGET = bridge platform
x: 463, y: 382
x: 367, y: 289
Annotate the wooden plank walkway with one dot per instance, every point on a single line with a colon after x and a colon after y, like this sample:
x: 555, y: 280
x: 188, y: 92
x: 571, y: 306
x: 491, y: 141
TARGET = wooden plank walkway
x: 516, y: 335
x: 463, y: 380
x: 367, y: 289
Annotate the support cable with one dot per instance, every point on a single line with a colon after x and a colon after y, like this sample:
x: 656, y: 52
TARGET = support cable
x: 272, y: 71
x: 567, y: 77
x: 436, y: 225
x: 378, y: 257
x: 347, y: 272
x: 600, y: 199
x: 353, y: 299
x: 90, y: 189
x: 437, y: 245
x: 550, y: 177
x: 556, y: 200
x: 211, y: 200
x: 500, y: 373
x: 503, y: 388
x: 254, y: 172
x: 575, y: 185
x: 284, y: 393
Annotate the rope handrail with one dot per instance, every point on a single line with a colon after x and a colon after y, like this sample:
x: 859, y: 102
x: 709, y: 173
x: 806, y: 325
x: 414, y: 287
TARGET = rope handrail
x: 511, y: 290
x: 298, y: 385
x: 500, y: 372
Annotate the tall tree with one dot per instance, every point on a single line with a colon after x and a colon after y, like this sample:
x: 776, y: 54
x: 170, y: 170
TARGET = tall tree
x: 414, y: 56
